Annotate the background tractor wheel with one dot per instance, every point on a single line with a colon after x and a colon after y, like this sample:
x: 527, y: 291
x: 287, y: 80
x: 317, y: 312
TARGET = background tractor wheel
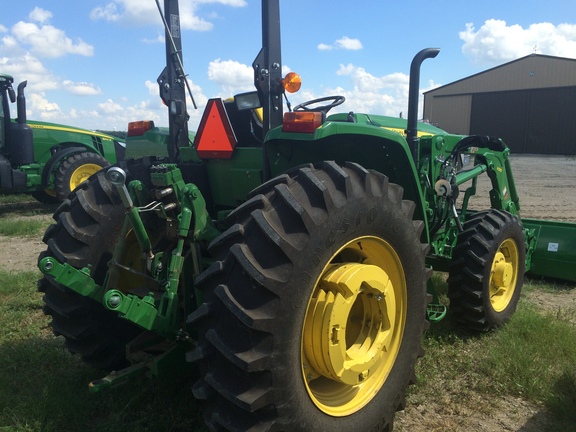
x: 487, y: 270
x: 86, y: 231
x: 76, y: 169
x: 315, y: 308
x: 46, y: 196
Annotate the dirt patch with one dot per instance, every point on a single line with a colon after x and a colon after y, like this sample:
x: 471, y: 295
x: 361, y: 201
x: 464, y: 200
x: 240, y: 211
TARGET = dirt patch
x: 473, y: 415
x: 545, y: 186
x: 19, y: 253
x: 561, y: 303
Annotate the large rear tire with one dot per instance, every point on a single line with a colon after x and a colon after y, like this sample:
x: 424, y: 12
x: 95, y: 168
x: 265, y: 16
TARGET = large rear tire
x: 87, y: 227
x: 487, y: 270
x: 75, y: 170
x: 315, y: 308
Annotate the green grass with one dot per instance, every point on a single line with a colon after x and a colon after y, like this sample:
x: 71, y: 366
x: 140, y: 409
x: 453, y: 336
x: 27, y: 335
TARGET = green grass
x: 15, y: 198
x: 532, y: 357
x: 535, y: 358
x: 44, y: 387
x: 24, y: 227
x: 21, y: 215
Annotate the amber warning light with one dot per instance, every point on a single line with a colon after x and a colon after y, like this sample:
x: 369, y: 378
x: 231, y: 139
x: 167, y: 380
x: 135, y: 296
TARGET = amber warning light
x: 300, y: 121
x: 292, y: 82
x: 138, y: 128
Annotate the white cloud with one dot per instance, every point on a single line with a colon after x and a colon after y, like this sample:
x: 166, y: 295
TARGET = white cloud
x: 344, y: 43
x: 497, y: 42
x: 20, y: 56
x: 22, y: 49
x: 40, y: 15
x: 25, y: 66
x: 39, y: 108
x: 110, y: 107
x: 81, y: 88
x: 379, y: 95
x: 10, y: 47
x: 48, y: 41
x: 231, y: 75
x: 158, y: 39
x: 152, y: 88
x: 136, y: 12
x: 368, y: 93
x: 107, y: 12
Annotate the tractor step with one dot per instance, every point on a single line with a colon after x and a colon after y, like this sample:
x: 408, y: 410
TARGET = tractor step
x: 436, y: 312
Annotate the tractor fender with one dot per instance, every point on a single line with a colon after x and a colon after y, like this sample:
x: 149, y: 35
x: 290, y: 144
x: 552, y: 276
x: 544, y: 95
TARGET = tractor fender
x: 374, y: 148
x: 56, y: 159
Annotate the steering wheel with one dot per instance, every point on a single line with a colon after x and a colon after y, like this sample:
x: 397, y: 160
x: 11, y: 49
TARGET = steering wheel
x: 335, y: 101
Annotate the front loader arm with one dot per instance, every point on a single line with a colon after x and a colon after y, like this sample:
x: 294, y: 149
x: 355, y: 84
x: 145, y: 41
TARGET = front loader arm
x: 503, y: 195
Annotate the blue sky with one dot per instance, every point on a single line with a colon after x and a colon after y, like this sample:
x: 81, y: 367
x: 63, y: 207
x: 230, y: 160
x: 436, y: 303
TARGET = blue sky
x: 94, y: 63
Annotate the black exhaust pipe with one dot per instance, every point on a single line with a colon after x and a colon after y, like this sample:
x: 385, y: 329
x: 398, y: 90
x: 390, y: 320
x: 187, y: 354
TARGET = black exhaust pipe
x: 21, y: 103
x: 413, y: 94
x: 21, y: 141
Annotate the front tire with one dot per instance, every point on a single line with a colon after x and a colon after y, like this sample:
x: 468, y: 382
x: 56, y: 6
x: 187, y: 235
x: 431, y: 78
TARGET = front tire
x: 487, y: 270
x: 315, y: 308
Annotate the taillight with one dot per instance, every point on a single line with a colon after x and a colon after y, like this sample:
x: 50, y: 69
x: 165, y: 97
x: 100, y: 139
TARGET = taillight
x: 302, y: 121
x: 138, y: 128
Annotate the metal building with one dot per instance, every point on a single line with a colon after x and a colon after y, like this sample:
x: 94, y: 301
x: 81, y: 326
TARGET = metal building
x: 530, y: 103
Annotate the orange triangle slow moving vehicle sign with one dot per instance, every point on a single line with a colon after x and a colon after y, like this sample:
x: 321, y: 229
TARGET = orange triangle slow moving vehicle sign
x: 215, y: 138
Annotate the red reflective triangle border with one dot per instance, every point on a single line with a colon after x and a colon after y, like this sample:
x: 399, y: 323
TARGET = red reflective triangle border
x: 215, y: 138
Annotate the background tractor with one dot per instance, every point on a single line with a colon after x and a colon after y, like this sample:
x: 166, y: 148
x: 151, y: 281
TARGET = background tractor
x: 47, y: 160
x: 288, y: 256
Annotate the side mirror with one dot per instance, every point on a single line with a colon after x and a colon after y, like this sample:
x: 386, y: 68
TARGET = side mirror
x: 11, y: 94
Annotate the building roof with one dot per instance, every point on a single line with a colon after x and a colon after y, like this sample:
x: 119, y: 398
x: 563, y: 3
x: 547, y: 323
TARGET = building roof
x: 532, y: 71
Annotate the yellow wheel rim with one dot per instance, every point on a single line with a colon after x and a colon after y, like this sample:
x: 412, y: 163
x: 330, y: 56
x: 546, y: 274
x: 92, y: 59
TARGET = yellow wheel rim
x: 354, y: 325
x: 82, y: 173
x: 504, y: 274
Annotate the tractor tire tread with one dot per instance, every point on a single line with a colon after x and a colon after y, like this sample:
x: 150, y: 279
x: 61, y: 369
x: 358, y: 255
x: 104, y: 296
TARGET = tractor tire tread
x: 239, y: 324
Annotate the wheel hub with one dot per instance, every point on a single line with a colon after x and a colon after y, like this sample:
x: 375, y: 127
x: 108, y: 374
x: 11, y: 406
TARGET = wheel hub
x: 355, y: 321
x: 503, y: 275
x: 503, y: 271
x: 82, y: 173
x: 350, y: 323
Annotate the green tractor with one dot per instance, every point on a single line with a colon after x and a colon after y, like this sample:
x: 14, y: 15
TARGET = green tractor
x: 286, y: 256
x: 47, y: 160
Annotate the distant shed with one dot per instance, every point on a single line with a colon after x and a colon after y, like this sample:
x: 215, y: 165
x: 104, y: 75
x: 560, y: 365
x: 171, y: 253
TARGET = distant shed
x: 530, y: 103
